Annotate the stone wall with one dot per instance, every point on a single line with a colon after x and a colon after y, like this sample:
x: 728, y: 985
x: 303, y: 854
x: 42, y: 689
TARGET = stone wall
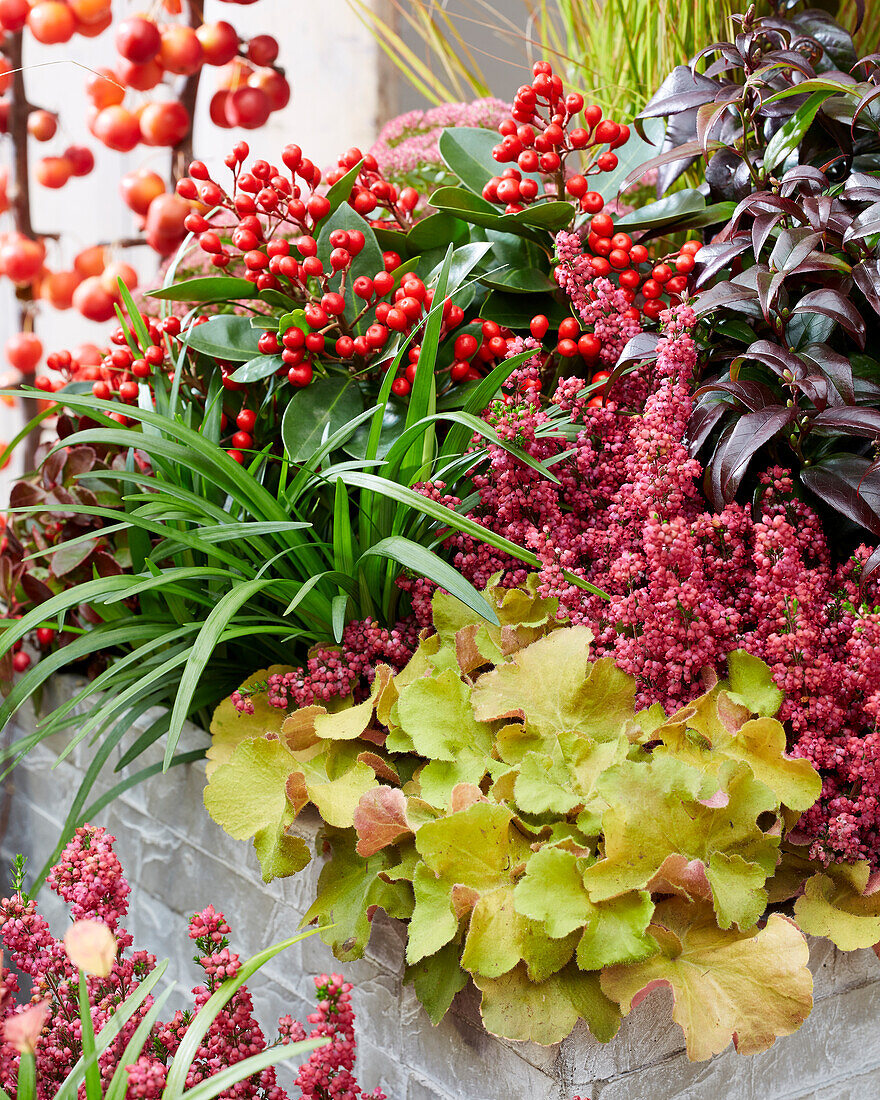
x: 178, y: 861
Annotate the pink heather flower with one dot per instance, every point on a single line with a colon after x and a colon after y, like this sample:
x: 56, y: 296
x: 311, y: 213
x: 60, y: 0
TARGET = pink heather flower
x: 687, y: 585
x: 50, y: 1028
x: 337, y: 672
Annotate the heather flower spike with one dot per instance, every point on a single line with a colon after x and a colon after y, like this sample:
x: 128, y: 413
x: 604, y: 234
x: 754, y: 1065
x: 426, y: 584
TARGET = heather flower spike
x: 91, y: 947
x: 43, y: 1045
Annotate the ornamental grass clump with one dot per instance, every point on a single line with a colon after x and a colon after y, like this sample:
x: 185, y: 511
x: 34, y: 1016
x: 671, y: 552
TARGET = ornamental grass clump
x: 542, y: 836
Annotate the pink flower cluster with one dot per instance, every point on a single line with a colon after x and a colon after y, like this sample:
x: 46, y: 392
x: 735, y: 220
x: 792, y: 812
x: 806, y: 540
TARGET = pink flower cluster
x: 337, y: 672
x: 409, y: 144
x: 686, y: 584
x: 89, y: 878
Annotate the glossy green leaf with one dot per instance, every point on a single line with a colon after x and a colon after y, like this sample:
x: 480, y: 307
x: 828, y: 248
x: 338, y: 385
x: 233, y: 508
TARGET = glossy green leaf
x: 226, y: 337
x: 319, y: 410
x: 263, y: 366
x: 213, y: 288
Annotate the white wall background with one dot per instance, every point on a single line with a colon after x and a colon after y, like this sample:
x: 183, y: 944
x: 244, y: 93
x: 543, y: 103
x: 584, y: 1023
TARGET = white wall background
x: 332, y: 64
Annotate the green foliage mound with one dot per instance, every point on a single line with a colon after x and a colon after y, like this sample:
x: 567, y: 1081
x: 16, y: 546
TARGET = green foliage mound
x: 540, y: 836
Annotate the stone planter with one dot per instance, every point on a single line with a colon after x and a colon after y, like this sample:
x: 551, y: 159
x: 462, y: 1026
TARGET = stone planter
x: 178, y: 860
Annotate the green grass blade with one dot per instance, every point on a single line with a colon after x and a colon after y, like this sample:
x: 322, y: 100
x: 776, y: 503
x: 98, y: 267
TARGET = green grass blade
x: 118, y: 1086
x: 203, y: 647
x: 447, y: 516
x: 412, y: 555
x: 220, y: 1082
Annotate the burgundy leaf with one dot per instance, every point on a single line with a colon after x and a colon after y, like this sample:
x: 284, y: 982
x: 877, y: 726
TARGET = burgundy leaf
x: 682, y: 90
x: 792, y: 246
x: 766, y: 284
x: 866, y: 276
x: 106, y: 565
x: 801, y: 174
x: 52, y: 467
x: 641, y: 346
x: 833, y: 304
x: 713, y: 257
x: 844, y: 483
x: 724, y: 294
x: 35, y: 590
x: 25, y: 495
x: 750, y: 433
x: 817, y: 210
x: 690, y: 150
x: 855, y: 419
x: 834, y: 366
x: 703, y: 421
x: 866, y: 224
x: 80, y: 460
x: 762, y: 227
x: 754, y: 395
x: 774, y: 356
x: 864, y: 102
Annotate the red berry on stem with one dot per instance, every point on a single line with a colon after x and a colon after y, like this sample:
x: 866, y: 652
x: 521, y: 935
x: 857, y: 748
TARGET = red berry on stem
x: 400, y: 387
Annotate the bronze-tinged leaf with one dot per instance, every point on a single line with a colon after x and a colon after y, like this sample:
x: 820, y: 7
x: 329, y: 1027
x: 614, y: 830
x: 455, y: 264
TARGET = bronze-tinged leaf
x: 380, y: 819
x: 464, y: 795
x: 382, y: 768
x: 296, y: 791
x: 298, y: 729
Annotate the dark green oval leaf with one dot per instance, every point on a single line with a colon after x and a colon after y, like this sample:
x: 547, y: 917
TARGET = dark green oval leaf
x: 260, y: 367
x: 324, y: 406
x: 213, y: 288
x: 226, y: 337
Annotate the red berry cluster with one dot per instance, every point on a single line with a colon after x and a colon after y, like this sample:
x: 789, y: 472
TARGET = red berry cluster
x: 373, y: 194
x: 116, y: 373
x: 615, y: 254
x: 265, y: 202
x: 540, y: 137
x: 274, y: 235
x: 642, y: 280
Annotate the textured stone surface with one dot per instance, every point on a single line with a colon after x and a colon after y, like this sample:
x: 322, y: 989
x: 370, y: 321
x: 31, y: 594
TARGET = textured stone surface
x: 178, y: 861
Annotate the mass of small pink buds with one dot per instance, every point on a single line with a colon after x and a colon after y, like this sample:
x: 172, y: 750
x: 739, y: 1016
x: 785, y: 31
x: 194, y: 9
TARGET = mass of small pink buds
x: 89, y: 877
x: 688, y: 585
x: 329, y: 1072
x: 337, y: 672
x: 407, y: 147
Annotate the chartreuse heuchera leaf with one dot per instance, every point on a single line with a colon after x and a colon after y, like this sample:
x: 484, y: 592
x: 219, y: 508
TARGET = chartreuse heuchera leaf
x: 541, y: 837
x: 843, y: 904
x: 745, y: 987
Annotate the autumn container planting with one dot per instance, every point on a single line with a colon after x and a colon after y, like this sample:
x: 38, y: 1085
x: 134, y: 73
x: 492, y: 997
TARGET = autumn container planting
x: 501, y: 501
